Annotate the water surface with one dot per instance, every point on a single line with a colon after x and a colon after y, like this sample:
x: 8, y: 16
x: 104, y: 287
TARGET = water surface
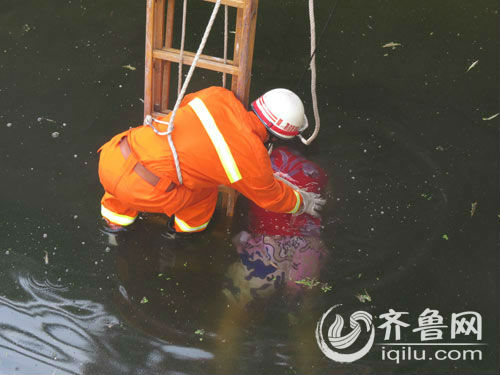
x: 402, y: 139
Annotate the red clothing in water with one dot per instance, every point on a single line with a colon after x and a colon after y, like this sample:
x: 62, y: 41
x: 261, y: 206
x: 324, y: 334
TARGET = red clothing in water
x: 218, y: 142
x: 304, y: 174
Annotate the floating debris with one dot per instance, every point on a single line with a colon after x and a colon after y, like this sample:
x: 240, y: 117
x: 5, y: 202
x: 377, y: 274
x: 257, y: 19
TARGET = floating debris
x: 445, y: 237
x: 426, y: 196
x: 40, y: 119
x: 439, y: 148
x: 363, y: 297
x: 310, y: 283
x: 473, y: 208
x: 200, y: 332
x: 392, y: 45
x: 472, y: 65
x: 129, y: 67
x: 9, y: 124
x: 484, y: 118
x: 46, y: 257
x: 55, y: 134
x: 144, y: 300
x: 325, y: 288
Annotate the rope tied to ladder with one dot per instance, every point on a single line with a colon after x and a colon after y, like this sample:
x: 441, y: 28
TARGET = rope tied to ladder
x: 149, y: 119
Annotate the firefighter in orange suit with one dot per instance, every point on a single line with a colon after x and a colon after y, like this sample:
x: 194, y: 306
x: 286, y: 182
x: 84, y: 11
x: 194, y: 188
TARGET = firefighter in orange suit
x: 218, y: 142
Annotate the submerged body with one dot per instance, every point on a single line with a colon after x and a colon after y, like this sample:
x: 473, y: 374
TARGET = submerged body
x: 279, y: 250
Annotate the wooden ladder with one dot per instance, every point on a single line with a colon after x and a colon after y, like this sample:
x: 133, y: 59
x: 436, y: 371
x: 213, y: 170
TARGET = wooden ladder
x: 160, y: 55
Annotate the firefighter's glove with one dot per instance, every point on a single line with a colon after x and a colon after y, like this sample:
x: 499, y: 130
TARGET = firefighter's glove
x: 312, y: 203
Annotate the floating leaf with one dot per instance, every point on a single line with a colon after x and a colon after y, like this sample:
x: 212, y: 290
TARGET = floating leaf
x: 426, y: 196
x: 445, y: 236
x: 363, y: 297
x: 473, y: 208
x: 310, y: 283
x: 144, y: 300
x: 200, y: 332
x: 392, y: 45
x: 325, y: 288
x: 491, y: 117
x: 129, y: 67
x: 472, y: 65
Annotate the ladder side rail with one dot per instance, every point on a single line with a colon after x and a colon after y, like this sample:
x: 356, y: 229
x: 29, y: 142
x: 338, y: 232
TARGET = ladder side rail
x: 148, y: 64
x: 244, y: 46
x: 167, y: 66
x: 158, y: 42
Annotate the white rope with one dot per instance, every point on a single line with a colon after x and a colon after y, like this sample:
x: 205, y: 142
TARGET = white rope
x: 149, y: 120
x: 181, y: 52
x: 313, y: 77
x: 225, y: 44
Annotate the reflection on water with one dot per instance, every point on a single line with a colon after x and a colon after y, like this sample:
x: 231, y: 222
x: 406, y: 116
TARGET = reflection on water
x: 44, y: 330
x: 41, y: 324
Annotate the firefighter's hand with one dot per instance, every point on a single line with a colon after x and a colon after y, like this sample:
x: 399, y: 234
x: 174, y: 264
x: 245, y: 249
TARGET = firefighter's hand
x: 312, y: 203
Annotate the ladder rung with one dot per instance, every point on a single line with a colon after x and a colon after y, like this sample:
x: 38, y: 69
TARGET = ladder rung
x: 205, y: 61
x: 231, y: 3
x: 160, y: 114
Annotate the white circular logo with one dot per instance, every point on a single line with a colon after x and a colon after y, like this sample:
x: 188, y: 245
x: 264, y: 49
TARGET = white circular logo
x: 334, y: 345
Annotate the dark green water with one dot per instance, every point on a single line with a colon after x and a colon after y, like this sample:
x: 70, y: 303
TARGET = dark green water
x: 402, y: 139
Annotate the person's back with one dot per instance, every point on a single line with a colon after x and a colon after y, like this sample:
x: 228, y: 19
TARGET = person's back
x: 199, y: 159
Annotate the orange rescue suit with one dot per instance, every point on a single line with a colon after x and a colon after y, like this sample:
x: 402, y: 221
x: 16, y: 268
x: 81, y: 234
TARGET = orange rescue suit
x: 218, y: 142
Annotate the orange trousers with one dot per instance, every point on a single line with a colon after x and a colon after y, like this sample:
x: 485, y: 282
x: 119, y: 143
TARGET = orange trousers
x: 127, y: 194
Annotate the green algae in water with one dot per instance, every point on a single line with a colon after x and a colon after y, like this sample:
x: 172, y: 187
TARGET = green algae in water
x: 312, y: 283
x: 363, y: 297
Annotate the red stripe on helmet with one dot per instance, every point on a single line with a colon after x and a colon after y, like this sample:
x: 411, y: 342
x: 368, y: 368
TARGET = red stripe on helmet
x: 266, y: 116
x: 267, y: 111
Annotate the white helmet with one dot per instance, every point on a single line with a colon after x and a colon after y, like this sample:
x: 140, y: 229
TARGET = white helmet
x: 282, y: 112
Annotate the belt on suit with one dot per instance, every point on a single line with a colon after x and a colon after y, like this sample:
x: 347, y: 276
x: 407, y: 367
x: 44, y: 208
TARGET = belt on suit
x: 140, y: 169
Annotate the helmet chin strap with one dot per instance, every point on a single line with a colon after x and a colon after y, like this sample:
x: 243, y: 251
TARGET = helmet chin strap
x: 270, y: 147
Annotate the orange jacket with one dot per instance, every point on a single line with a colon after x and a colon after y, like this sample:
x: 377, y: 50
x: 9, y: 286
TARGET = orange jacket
x: 205, y: 161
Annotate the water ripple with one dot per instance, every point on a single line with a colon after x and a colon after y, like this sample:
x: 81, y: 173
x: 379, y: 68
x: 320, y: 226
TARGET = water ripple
x: 54, y: 332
